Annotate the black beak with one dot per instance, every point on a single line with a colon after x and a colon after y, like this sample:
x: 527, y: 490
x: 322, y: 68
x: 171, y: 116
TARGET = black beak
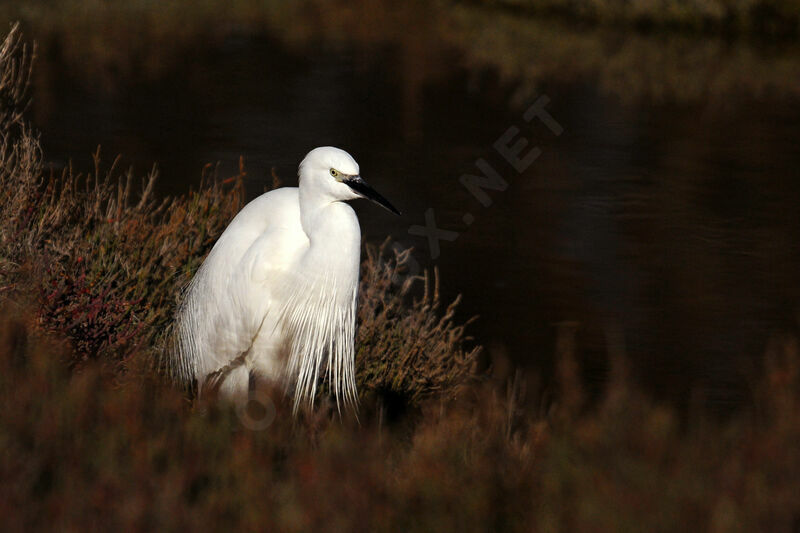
x: 362, y: 188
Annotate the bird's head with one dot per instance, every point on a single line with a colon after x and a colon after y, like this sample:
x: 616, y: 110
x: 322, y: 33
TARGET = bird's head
x: 334, y: 173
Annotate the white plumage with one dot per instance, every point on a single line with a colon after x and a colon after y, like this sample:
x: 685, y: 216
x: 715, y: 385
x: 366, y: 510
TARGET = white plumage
x: 276, y: 295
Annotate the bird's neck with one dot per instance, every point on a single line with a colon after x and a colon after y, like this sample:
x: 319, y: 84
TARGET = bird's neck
x: 328, y: 221
x: 311, y: 204
x: 334, y: 238
x: 313, y: 209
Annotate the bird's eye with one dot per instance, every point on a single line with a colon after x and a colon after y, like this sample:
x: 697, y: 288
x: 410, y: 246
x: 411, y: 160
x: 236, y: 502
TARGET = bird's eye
x: 334, y: 173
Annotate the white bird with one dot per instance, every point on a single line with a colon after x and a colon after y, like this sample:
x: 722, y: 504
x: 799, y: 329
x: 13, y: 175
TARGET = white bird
x: 276, y: 296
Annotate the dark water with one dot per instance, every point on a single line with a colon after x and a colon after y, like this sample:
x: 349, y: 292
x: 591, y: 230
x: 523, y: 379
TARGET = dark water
x: 668, y: 232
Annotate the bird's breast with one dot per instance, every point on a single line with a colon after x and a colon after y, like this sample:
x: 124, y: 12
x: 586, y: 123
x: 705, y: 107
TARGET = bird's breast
x: 335, y: 243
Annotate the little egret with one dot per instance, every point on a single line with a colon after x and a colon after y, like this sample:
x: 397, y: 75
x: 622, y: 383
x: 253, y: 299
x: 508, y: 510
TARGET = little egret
x: 276, y: 296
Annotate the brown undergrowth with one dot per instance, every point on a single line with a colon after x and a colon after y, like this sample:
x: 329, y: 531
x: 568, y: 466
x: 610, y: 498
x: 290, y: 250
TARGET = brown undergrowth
x: 90, y: 447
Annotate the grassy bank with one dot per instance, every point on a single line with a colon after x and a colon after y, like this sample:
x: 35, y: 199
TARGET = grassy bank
x: 680, y: 54
x: 769, y: 18
x: 94, y: 435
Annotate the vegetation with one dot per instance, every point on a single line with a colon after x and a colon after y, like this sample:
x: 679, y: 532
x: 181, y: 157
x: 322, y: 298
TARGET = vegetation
x: 633, y: 66
x: 685, y: 51
x: 93, y: 435
x: 763, y: 17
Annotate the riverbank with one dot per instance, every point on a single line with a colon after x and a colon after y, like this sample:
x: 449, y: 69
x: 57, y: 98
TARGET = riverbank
x: 110, y: 43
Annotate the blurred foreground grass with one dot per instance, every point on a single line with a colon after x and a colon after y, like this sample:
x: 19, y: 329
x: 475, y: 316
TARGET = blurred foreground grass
x: 96, y: 449
x: 93, y: 435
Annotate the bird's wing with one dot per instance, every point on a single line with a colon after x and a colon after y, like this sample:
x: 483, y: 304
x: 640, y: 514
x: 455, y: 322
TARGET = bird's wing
x: 257, y: 288
x: 225, y: 302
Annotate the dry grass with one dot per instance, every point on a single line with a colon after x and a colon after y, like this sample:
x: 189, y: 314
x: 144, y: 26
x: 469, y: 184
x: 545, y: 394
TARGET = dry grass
x: 92, y: 437
x: 433, y: 359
